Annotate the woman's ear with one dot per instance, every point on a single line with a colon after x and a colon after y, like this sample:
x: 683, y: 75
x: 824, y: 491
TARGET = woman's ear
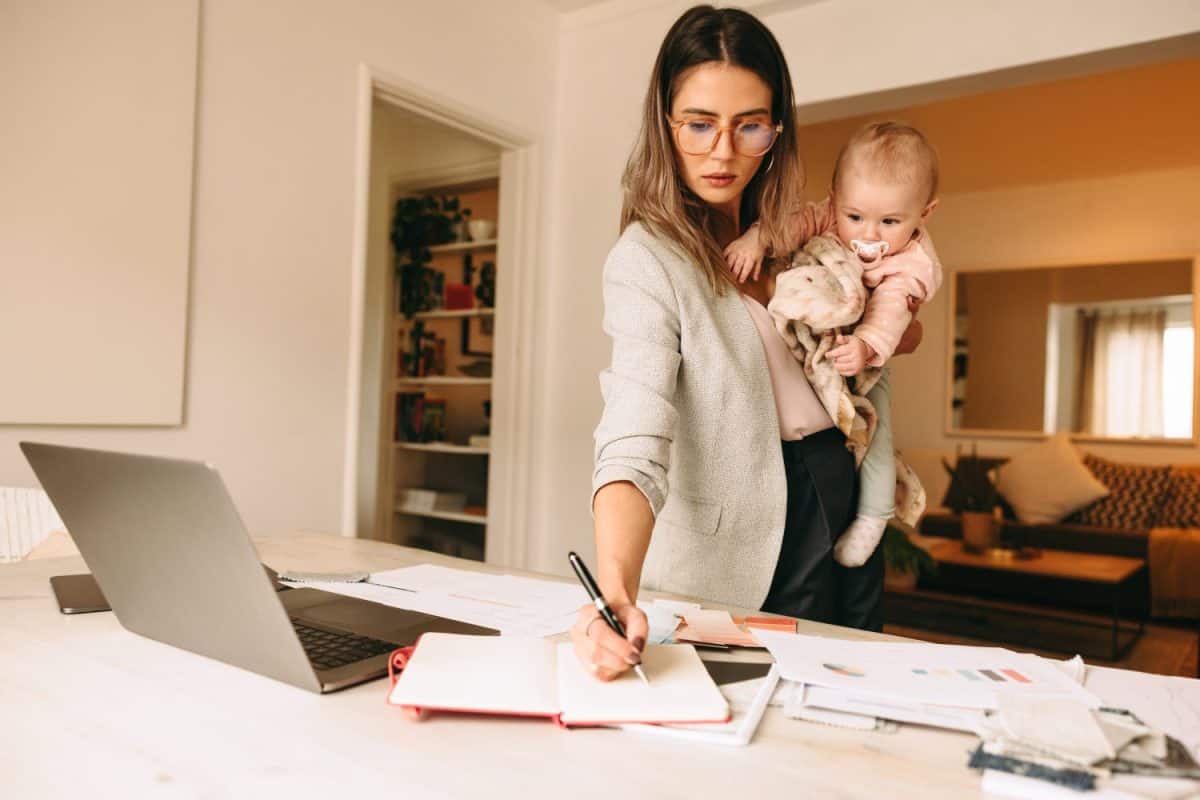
x: 928, y: 212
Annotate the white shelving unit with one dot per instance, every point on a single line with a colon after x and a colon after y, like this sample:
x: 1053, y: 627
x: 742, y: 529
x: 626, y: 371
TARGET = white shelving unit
x: 443, y: 380
x: 443, y: 447
x: 457, y: 313
x: 464, y: 247
x: 453, y: 516
x: 451, y: 466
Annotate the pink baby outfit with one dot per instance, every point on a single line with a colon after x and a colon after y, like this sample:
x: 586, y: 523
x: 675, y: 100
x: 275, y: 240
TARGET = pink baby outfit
x: 914, y: 271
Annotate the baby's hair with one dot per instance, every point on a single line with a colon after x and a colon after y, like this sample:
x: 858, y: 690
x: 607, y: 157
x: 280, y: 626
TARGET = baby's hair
x: 893, y: 151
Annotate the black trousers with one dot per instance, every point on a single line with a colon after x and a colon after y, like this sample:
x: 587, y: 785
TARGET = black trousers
x: 822, y: 486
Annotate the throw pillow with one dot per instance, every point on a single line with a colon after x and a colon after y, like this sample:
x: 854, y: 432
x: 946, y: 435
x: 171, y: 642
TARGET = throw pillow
x: 1181, y: 509
x: 1048, y: 481
x: 1136, y: 494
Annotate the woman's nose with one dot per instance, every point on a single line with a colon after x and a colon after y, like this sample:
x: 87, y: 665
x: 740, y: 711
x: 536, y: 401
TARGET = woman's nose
x: 723, y: 148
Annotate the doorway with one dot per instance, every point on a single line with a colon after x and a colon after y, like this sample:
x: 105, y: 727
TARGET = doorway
x: 436, y: 456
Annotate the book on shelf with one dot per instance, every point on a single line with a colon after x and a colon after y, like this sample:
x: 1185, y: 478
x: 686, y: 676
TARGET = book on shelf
x: 410, y: 415
x: 417, y: 499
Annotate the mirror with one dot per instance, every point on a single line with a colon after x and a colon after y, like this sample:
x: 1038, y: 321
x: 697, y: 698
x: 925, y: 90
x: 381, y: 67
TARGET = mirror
x: 1099, y: 351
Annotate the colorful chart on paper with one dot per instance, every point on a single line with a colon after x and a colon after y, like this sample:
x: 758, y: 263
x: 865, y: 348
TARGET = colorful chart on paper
x: 998, y: 675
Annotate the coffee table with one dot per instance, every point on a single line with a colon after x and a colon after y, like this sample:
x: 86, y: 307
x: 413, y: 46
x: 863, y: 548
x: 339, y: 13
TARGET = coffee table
x: 1113, y: 574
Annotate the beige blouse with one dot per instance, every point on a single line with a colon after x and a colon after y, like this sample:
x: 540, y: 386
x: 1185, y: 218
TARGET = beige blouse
x: 800, y: 412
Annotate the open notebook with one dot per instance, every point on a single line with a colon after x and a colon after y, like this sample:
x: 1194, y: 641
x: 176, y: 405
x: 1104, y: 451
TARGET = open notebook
x: 533, y: 677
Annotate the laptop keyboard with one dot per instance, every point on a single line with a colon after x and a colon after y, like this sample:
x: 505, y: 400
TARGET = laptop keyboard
x: 326, y: 649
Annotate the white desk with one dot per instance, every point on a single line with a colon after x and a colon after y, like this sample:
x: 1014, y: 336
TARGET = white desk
x: 90, y: 710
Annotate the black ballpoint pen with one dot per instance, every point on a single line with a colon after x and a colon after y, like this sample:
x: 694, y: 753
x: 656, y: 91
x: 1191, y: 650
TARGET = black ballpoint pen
x: 589, y: 585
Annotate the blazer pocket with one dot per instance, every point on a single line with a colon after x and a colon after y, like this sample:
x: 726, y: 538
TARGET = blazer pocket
x: 691, y: 514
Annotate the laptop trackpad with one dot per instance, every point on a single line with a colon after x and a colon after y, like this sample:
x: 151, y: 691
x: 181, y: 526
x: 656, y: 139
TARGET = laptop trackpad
x: 396, y: 625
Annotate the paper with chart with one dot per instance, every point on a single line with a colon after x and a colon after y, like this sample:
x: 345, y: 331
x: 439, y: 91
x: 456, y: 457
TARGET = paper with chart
x: 509, y: 603
x: 944, y: 675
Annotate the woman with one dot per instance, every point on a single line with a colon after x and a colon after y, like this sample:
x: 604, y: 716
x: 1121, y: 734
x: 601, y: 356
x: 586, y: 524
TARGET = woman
x: 699, y: 395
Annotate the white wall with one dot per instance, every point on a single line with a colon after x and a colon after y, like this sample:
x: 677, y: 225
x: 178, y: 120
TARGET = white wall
x: 272, y: 239
x: 607, y: 54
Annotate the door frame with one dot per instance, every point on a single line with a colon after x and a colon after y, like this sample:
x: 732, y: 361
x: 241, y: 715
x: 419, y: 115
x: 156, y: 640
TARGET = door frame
x: 511, y: 457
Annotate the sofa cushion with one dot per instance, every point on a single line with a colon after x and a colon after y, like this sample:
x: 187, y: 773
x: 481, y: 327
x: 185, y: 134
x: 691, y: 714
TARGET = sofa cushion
x: 1181, y: 508
x: 1048, y: 481
x: 1135, y: 495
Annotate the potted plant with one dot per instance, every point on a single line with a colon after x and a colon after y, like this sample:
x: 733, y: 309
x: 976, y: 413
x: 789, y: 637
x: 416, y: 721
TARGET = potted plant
x: 417, y: 223
x: 976, y: 501
x: 904, y: 561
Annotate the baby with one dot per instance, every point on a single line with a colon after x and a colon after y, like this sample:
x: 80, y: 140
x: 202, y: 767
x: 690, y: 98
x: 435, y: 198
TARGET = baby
x: 884, y: 190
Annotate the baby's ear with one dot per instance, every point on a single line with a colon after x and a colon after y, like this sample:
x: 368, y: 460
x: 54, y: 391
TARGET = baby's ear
x: 928, y: 212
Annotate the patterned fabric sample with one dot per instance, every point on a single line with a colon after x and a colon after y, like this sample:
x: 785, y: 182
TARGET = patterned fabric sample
x: 1182, y: 506
x: 1136, y: 495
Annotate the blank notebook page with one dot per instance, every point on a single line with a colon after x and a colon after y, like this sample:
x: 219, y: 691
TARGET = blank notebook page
x: 493, y: 674
x: 680, y: 690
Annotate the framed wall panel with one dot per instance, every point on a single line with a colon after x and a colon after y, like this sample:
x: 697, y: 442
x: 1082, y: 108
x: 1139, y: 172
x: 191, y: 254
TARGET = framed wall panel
x: 96, y: 152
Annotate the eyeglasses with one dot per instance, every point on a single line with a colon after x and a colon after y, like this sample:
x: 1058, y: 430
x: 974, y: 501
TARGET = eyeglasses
x: 698, y: 136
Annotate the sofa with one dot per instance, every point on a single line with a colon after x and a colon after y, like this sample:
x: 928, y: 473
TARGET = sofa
x: 1150, y: 512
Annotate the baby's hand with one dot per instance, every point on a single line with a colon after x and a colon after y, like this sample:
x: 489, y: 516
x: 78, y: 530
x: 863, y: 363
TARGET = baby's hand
x: 745, y: 255
x: 850, y: 355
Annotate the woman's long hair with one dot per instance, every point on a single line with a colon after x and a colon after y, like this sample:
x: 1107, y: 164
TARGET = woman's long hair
x: 656, y: 194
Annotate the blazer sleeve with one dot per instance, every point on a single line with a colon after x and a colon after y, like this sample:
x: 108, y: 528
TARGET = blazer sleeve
x: 641, y: 316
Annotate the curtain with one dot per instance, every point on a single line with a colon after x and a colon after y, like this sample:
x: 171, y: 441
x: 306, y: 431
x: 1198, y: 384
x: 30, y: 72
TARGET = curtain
x: 1086, y: 378
x: 1121, y: 372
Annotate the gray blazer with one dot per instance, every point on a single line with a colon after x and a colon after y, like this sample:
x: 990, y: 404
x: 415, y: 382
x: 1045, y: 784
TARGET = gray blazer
x: 689, y: 418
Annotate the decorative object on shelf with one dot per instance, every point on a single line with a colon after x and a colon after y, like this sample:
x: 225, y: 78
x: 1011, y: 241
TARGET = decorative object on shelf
x: 410, y: 416
x: 433, y: 422
x: 481, y: 229
x: 485, y: 293
x: 904, y: 561
x: 480, y: 368
x: 421, y: 357
x: 417, y: 223
x: 460, y: 226
x: 458, y: 296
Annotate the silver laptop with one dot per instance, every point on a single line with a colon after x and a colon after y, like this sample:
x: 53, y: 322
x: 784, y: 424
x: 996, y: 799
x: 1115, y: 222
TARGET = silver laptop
x: 169, y: 551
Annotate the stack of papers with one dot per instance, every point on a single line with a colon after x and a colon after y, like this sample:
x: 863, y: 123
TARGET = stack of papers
x: 942, y: 685
x: 675, y: 621
x: 514, y: 605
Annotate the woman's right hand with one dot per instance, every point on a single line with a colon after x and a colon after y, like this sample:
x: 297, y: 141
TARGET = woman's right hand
x: 601, y: 651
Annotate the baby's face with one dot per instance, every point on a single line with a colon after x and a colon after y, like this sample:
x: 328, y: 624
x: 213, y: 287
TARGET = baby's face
x: 872, y: 210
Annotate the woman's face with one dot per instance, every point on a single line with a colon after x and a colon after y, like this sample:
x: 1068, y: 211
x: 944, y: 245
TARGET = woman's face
x: 724, y: 96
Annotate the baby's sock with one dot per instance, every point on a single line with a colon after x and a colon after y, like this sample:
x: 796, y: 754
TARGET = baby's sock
x: 855, y: 546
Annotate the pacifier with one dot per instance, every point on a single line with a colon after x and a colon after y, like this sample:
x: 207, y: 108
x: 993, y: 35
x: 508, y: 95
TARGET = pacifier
x: 869, y: 251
